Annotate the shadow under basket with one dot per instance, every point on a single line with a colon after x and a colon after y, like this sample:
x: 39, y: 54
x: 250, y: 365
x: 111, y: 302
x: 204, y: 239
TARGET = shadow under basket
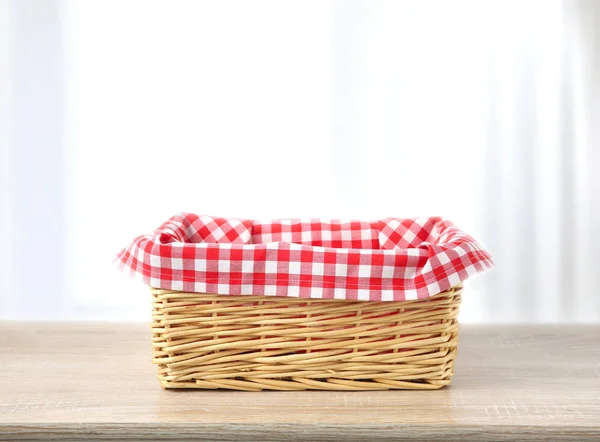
x: 258, y: 343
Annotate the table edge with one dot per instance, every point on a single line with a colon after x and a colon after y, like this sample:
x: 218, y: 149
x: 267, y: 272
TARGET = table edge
x: 282, y: 431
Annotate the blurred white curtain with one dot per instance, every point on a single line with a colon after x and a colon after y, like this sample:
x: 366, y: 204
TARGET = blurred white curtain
x: 542, y: 188
x: 118, y: 114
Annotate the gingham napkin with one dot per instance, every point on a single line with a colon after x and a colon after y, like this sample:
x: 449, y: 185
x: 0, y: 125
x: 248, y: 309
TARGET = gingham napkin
x: 393, y: 259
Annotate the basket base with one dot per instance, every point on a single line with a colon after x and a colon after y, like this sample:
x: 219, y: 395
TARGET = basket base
x: 298, y: 384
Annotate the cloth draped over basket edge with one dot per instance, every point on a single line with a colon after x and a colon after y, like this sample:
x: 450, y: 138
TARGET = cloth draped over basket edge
x: 392, y: 259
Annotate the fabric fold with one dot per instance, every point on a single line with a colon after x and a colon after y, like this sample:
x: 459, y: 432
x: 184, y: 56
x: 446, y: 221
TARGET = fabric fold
x: 393, y: 259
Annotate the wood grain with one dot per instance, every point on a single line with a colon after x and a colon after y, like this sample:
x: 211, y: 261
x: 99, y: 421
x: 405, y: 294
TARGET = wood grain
x: 74, y: 381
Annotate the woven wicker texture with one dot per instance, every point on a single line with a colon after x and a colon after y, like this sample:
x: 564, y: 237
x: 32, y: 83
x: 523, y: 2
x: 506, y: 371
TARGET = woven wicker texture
x: 258, y: 343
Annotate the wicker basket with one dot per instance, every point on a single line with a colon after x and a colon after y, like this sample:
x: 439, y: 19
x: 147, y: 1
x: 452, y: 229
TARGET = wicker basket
x: 258, y: 343
x: 310, y: 304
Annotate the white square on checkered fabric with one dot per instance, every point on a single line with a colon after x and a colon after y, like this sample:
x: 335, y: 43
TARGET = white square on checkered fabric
x: 388, y: 271
x: 154, y: 282
x: 364, y: 294
x: 294, y: 268
x: 271, y: 267
x: 326, y: 235
x: 293, y: 290
x: 224, y: 266
x: 286, y: 237
x: 407, y: 272
x: 346, y: 235
x: 247, y: 289
x: 413, y: 252
x: 245, y: 237
x: 443, y: 257
x: 200, y: 265
x: 341, y: 270
x: 460, y: 250
x: 306, y: 236
x: 200, y: 287
x: 247, y: 266
x: 409, y: 236
x: 270, y: 290
x: 364, y: 271
x: 387, y: 295
x: 470, y: 269
x: 217, y: 233
x: 410, y: 294
x: 233, y: 223
x: 177, y: 263
x: 316, y: 292
x: 318, y: 268
x: 155, y: 261
x: 339, y: 293
x: 453, y: 279
x: 223, y: 289
x: 176, y: 285
x: 393, y: 224
x: 434, y: 288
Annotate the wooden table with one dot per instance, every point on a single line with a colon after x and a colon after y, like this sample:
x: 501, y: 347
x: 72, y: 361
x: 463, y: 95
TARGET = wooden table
x: 74, y: 381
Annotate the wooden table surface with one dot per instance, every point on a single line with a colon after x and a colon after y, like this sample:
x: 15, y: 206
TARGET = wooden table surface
x: 74, y: 381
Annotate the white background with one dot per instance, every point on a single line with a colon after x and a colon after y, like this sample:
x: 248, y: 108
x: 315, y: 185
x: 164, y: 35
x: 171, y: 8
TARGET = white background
x: 115, y: 115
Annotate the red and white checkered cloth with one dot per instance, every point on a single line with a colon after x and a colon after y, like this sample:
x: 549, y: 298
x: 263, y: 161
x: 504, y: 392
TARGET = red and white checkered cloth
x: 391, y: 259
